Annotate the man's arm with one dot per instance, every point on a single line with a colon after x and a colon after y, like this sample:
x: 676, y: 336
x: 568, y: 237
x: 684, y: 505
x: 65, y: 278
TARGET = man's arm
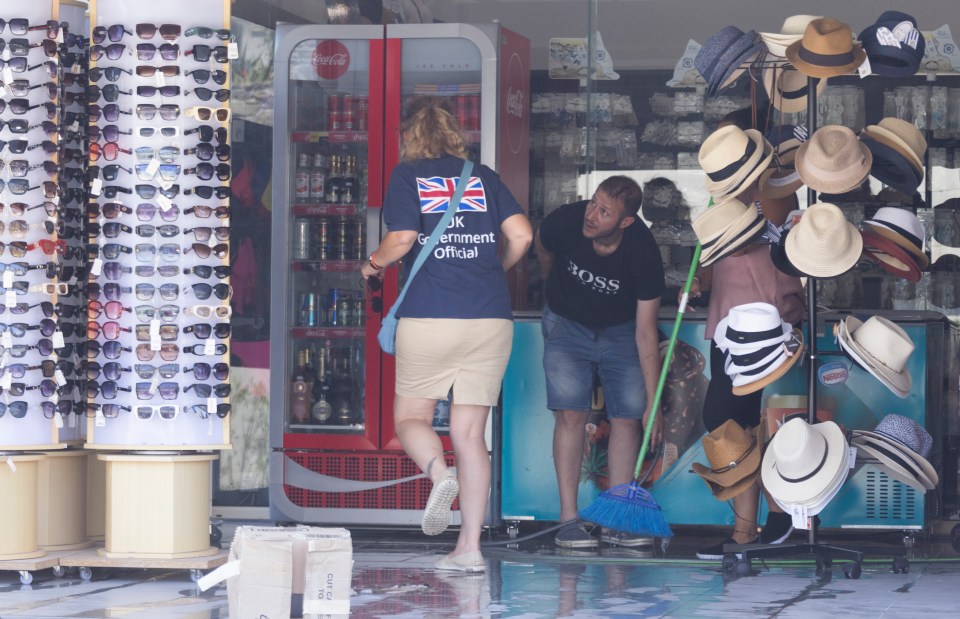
x: 648, y: 347
x: 544, y: 256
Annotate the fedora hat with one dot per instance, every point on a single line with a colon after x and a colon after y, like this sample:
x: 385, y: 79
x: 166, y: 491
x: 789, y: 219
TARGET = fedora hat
x: 891, y: 167
x: 827, y: 49
x: 901, y: 135
x: 894, y: 462
x: 720, y: 58
x: 733, y: 454
x: 823, y: 243
x: 787, y: 88
x: 781, y: 178
x: 778, y: 254
x: 803, y: 462
x: 894, y: 45
x: 791, y: 32
x: 881, y: 347
x: 902, y: 227
x: 724, y: 228
x: 732, y: 159
x: 908, y: 436
x: 823, y: 499
x: 890, y: 257
x: 833, y: 160
x: 754, y: 380
x: 750, y: 327
x: 741, y: 233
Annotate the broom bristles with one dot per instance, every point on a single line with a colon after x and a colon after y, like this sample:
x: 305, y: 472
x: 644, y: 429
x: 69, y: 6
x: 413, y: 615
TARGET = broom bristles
x: 630, y: 508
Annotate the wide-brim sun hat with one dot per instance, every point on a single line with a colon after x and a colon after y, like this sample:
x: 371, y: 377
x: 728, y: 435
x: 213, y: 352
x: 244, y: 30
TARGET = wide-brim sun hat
x: 732, y: 159
x: 890, y: 257
x: 802, y: 461
x: 747, y: 383
x: 827, y: 49
x: 823, y: 243
x: 788, y: 89
x: 902, y: 227
x: 894, y: 462
x: 733, y: 453
x: 881, y: 347
x: 833, y: 160
x: 750, y: 327
x: 791, y: 32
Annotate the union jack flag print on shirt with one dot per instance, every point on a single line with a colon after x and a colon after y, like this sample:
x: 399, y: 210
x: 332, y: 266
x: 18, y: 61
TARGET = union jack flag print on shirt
x: 435, y: 193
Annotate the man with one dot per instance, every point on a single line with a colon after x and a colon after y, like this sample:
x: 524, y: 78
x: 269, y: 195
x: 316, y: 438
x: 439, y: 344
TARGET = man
x: 604, y: 282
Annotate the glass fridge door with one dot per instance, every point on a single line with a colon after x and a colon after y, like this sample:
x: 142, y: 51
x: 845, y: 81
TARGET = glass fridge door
x: 331, y: 155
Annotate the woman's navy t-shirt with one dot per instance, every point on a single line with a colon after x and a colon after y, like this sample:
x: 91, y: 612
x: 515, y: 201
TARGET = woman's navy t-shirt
x: 463, y: 278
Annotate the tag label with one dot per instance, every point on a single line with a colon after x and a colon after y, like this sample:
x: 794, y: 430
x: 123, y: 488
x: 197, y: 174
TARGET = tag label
x: 59, y: 377
x: 154, y: 328
x: 210, y: 346
x: 58, y: 420
x: 853, y: 456
x: 164, y: 203
x: 6, y: 380
x: 12, y: 464
x: 885, y: 37
x: 7, y: 74
x: 155, y: 342
x: 798, y: 513
x: 153, y: 167
x: 96, y: 186
x: 10, y: 298
x: 96, y: 267
x: 159, y: 79
x: 864, y: 70
x: 57, y: 339
x: 8, y: 279
x: 7, y: 340
x: 99, y: 420
x: 233, y: 51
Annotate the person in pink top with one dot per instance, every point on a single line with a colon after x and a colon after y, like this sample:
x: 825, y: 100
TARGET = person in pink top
x: 747, y: 276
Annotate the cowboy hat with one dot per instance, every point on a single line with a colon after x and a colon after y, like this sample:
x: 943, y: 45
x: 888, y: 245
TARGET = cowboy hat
x: 893, y: 44
x: 732, y: 159
x: 823, y: 243
x: 787, y: 88
x: 833, y: 160
x: 791, y: 32
x: 751, y: 326
x: 803, y: 462
x: 902, y: 227
x: 827, y: 49
x: 734, y: 456
x: 755, y: 380
x: 910, y: 437
x: 881, y: 347
x: 890, y: 257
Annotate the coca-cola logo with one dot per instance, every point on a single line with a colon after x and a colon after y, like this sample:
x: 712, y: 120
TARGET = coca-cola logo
x: 516, y: 103
x: 331, y: 59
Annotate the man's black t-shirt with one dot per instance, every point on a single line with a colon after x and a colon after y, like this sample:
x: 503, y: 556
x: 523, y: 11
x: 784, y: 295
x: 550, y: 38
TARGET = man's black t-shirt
x: 599, y: 291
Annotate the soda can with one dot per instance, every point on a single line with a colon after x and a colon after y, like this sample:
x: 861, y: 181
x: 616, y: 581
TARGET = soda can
x: 335, y: 121
x: 308, y: 309
x: 333, y: 303
x: 302, y: 246
x: 301, y: 182
x: 323, y: 239
x: 345, y: 310
x: 363, y: 112
x: 359, y: 309
x: 359, y: 242
x: 349, y: 113
x: 317, y: 183
x: 334, y: 103
x: 343, y: 243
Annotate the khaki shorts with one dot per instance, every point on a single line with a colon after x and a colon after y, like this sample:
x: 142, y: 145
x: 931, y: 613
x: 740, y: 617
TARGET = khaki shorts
x: 470, y: 355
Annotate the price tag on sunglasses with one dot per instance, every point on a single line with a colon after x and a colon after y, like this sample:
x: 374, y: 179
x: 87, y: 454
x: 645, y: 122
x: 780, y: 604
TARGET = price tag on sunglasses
x: 10, y: 298
x: 6, y: 380
x: 57, y: 339
x: 154, y: 328
x: 233, y: 51
x: 153, y: 167
x: 7, y: 74
x: 6, y: 340
x: 58, y: 420
x: 59, y: 377
x: 99, y: 420
x: 212, y: 405
x: 76, y: 68
x: 210, y: 346
x: 74, y: 126
x: 59, y: 37
x: 96, y: 186
x: 71, y: 420
x: 8, y: 279
x: 159, y: 80
x: 12, y: 464
x: 164, y: 203
x: 7, y: 93
x: 96, y: 267
x: 154, y: 383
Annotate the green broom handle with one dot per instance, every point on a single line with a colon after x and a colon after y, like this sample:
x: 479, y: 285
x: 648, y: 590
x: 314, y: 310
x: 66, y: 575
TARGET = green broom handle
x: 666, y: 361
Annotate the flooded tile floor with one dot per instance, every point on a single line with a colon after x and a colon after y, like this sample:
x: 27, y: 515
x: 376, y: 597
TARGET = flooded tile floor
x: 393, y: 577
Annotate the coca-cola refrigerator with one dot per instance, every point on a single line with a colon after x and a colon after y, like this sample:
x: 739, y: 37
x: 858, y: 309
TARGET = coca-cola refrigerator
x: 340, y: 95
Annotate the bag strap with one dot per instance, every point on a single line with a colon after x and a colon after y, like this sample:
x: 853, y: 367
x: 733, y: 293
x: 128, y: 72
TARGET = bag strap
x: 437, y: 232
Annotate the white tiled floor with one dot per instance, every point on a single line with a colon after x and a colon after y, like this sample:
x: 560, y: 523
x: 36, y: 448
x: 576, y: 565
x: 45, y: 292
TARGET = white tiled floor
x: 393, y: 577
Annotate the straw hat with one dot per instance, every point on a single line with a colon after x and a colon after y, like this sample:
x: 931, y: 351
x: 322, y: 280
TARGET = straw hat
x: 732, y: 159
x: 903, y: 227
x: 734, y: 456
x: 750, y: 327
x: 823, y: 243
x: 881, y: 347
x: 901, y: 135
x: 816, y: 505
x: 826, y: 49
x: 890, y: 257
x: 891, y: 167
x: 803, y: 462
x: 791, y: 32
x: 909, y: 437
x: 833, y: 160
x: 782, y: 179
x: 787, y: 88
x: 894, y: 45
x: 739, y: 234
x: 750, y: 382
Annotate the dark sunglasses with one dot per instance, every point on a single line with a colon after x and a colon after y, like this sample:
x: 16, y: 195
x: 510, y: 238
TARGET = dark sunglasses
x: 168, y: 51
x: 202, y: 411
x: 146, y: 212
x: 114, y: 33
x: 202, y: 371
x: 166, y: 370
x: 113, y: 51
x: 111, y: 112
x: 202, y: 76
x: 112, y: 370
x: 111, y: 73
x: 208, y: 133
x: 168, y: 32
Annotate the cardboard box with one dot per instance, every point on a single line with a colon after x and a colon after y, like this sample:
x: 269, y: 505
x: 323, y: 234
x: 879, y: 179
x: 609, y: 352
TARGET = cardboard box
x: 781, y: 408
x: 280, y: 572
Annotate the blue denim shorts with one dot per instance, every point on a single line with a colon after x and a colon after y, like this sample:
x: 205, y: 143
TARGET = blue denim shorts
x: 574, y: 356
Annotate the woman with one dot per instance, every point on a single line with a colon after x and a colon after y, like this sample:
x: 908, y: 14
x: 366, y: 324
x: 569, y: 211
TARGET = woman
x: 455, y: 326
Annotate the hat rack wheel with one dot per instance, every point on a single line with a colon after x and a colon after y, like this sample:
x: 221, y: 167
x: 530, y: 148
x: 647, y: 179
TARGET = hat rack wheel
x: 901, y: 565
x: 513, y: 529
x: 823, y: 565
x: 729, y: 562
x: 955, y: 538
x: 59, y: 571
x: 852, y: 570
x: 86, y: 573
x: 26, y: 577
x: 743, y: 567
x: 196, y: 575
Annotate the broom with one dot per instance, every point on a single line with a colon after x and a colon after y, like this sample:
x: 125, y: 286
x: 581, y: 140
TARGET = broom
x: 629, y: 507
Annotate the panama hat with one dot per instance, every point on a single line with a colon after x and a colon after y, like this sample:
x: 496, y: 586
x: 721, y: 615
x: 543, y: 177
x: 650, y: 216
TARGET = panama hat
x: 816, y: 505
x: 781, y: 178
x: 833, y: 160
x: 720, y: 58
x: 741, y: 233
x: 901, y: 135
x: 724, y: 228
x: 903, y: 227
x: 791, y: 32
x: 732, y: 159
x: 823, y: 243
x: 890, y: 257
x: 827, y: 49
x: 894, y: 462
x: 803, y: 462
x: 787, y: 88
x: 908, y: 436
x: 733, y: 453
x: 881, y: 347
x: 754, y: 380
x: 751, y: 326
x: 894, y: 45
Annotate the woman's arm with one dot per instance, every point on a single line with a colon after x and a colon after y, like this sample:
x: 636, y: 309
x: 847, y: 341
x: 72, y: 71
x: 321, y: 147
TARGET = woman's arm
x: 517, y: 234
x: 395, y: 245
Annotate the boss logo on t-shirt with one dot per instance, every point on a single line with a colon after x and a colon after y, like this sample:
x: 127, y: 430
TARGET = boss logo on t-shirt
x: 599, y: 283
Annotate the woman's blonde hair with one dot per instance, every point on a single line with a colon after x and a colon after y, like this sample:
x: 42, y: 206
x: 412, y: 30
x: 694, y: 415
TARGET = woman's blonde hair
x: 430, y: 130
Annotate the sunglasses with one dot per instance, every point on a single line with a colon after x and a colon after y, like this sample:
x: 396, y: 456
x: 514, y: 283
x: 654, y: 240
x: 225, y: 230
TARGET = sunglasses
x: 147, y: 192
x: 111, y: 350
x: 17, y: 329
x: 112, y: 370
x: 168, y: 51
x: 113, y: 51
x: 168, y: 172
x: 167, y: 333
x: 206, y: 171
x: 111, y: 112
x: 109, y: 151
x: 207, y: 311
x: 22, y: 106
x: 111, y: 73
x: 146, y: 212
x: 163, y: 270
x: 169, y: 252
x: 166, y: 154
x: 203, y: 113
x: 110, y: 133
x: 20, y: 186
x: 170, y: 70
x: 165, y: 91
x: 22, y: 268
x: 166, y: 412
x: 205, y: 94
x: 203, y: 53
x: 206, y: 33
x: 110, y: 330
x: 168, y: 111
x: 165, y: 230
x: 110, y: 411
x: 220, y: 250
x: 18, y: 409
x: 22, y: 26
x: 208, y: 133
x: 19, y: 308
x: 114, y: 33
x: 167, y: 313
x: 107, y: 389
x: 168, y: 32
x: 110, y: 210
x: 20, y: 167
x: 19, y: 125
x: 113, y: 309
x: 202, y: 76
x: 202, y: 371
x: 168, y: 292
x: 112, y: 291
x: 19, y: 229
x: 21, y: 88
x: 204, y: 271
x: 205, y: 391
x: 204, y: 330
x: 110, y: 92
x: 201, y: 349
x: 166, y: 370
x: 206, y: 152
x: 166, y: 132
x: 168, y: 352
x: 108, y: 172
x: 202, y: 411
x: 206, y: 192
